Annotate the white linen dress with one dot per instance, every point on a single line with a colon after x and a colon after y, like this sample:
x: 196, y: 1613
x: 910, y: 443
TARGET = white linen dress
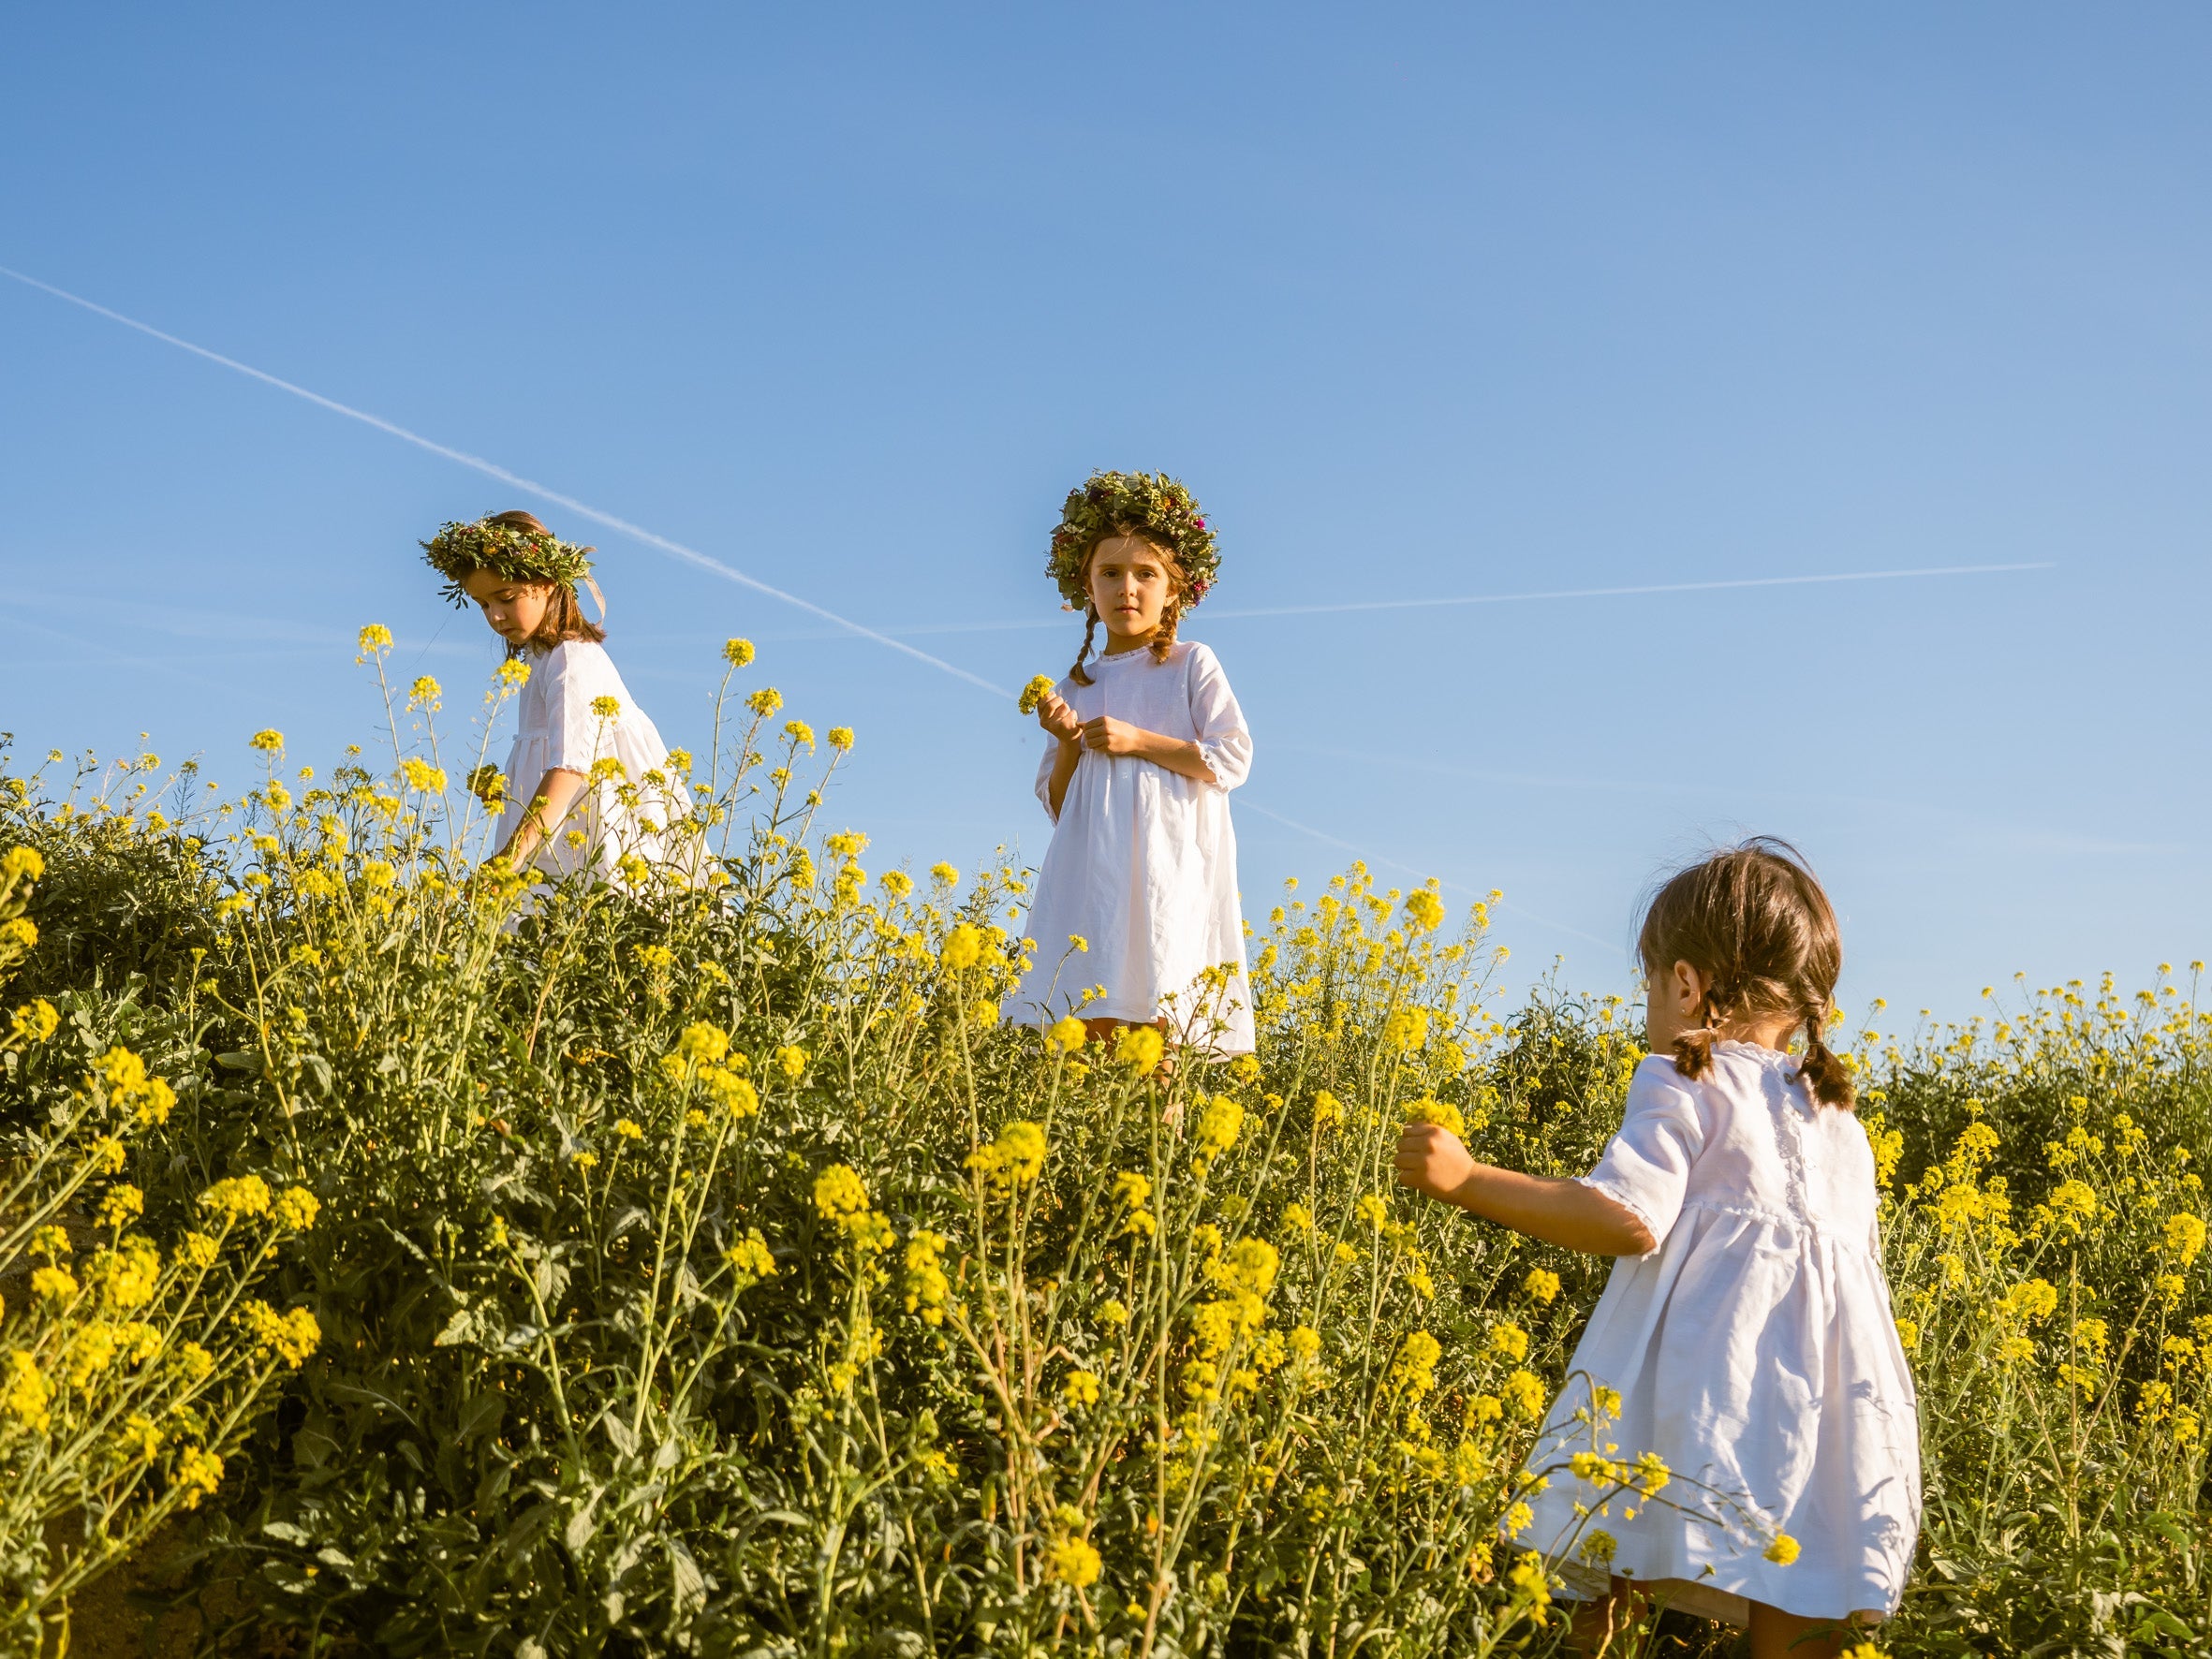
x: 1754, y: 1350
x: 1142, y: 860
x: 559, y: 729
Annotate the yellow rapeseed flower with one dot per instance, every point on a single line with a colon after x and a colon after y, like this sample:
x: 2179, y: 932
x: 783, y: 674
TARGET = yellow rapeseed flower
x: 1139, y: 1047
x: 737, y: 652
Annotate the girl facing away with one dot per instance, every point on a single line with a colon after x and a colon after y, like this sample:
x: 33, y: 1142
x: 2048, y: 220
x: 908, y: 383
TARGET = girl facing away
x: 1143, y: 746
x: 566, y: 812
x: 1746, y: 1325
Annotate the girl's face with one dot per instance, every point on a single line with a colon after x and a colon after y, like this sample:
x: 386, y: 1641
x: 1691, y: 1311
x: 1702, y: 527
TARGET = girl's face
x: 1130, y: 587
x: 514, y: 609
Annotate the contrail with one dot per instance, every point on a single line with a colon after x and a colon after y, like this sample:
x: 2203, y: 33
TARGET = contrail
x: 689, y: 555
x: 1030, y: 624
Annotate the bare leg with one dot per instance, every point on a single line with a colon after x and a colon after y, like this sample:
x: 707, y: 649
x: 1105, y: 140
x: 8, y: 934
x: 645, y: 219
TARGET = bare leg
x: 1777, y: 1635
x: 1610, y: 1626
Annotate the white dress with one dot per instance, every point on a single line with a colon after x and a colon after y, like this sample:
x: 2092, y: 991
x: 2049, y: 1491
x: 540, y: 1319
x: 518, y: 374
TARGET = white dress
x: 560, y: 729
x: 1754, y: 1350
x: 1142, y: 860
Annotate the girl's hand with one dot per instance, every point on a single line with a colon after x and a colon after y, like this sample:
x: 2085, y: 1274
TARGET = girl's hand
x: 1431, y: 1160
x: 1057, y: 717
x: 1110, y: 736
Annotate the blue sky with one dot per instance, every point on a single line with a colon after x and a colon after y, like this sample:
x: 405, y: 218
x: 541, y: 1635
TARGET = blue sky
x: 1423, y: 302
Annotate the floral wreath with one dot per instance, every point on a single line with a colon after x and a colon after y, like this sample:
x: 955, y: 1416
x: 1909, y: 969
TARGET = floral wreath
x: 1152, y: 503
x: 509, y: 550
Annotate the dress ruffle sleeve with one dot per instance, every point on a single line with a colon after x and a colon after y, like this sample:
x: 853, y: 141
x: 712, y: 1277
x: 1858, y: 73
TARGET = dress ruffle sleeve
x: 575, y: 737
x: 1224, y: 741
x: 1647, y: 1165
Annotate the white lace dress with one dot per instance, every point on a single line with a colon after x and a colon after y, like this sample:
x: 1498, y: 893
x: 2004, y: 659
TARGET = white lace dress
x: 1754, y: 1350
x: 560, y: 729
x: 1142, y: 860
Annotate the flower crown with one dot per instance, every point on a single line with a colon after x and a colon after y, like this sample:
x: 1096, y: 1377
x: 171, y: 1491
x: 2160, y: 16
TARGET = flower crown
x: 1150, y: 504
x: 509, y: 550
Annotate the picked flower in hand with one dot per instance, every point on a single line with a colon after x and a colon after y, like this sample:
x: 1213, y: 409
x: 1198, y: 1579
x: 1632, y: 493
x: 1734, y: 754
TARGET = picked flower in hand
x: 1039, y: 687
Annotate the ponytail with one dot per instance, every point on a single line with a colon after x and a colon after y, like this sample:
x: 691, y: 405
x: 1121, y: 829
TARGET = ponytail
x: 1090, y: 628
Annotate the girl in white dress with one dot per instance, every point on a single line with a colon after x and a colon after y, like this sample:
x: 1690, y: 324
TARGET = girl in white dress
x: 587, y: 783
x: 1142, y: 747
x: 1746, y: 1326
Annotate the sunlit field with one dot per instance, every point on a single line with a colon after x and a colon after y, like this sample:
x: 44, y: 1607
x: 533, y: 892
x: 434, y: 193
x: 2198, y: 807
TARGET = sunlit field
x: 396, y: 1261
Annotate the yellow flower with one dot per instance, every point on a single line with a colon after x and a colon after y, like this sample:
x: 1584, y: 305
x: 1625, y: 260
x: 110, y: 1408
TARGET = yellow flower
x: 791, y: 1061
x: 1542, y: 1285
x: 1424, y: 911
x: 421, y: 776
x: 944, y: 875
x: 702, y: 1044
x: 750, y: 1260
x: 241, y: 1195
x: 35, y: 1022
x: 731, y: 1093
x: 607, y: 707
x: 124, y: 1204
x: 53, y: 1285
x: 1039, y: 687
x: 1524, y: 1390
x: 1218, y: 1126
x: 290, y: 1336
x: 268, y: 741
x: 1406, y: 1030
x: 1444, y: 1115
x: 1074, y: 1564
x: 963, y: 948
x: 1908, y: 1334
x: 798, y: 732
x: 1016, y: 1157
x: 628, y: 1130
x: 424, y: 693
x: 198, y: 1473
x: 737, y: 652
x: 2185, y: 1237
x: 841, y: 739
x: 1081, y: 1390
x: 1415, y: 1368
x: 1783, y: 1550
x: 21, y: 864
x: 26, y: 1395
x: 1509, y: 1340
x: 297, y: 1208
x: 840, y: 1194
x: 765, y: 701
x: 1139, y: 1047
x: 926, y: 1285
x: 1066, y: 1035
x: 512, y: 673
x: 375, y: 637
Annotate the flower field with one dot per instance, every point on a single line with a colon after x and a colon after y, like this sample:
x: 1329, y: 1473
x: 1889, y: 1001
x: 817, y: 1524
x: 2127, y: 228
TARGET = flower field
x: 396, y: 1262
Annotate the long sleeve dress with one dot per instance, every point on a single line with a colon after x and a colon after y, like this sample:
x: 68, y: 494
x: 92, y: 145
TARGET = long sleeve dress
x: 1754, y: 1350
x: 1142, y: 860
x: 560, y: 729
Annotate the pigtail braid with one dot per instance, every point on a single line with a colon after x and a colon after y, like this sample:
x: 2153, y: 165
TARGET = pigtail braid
x: 1090, y: 628
x: 1693, y: 1049
x: 1824, y: 1072
x: 1163, y: 638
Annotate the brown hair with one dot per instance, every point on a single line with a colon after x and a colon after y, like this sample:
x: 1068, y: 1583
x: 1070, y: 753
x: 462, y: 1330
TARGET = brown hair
x: 1163, y: 638
x: 1755, y: 922
x: 564, y: 615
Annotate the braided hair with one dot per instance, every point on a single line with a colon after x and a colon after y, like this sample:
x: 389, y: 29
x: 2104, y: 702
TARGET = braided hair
x: 1163, y: 638
x: 1753, y: 920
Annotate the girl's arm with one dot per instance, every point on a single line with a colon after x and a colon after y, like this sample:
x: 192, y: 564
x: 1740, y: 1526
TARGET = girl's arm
x: 1059, y: 722
x: 556, y: 792
x: 1432, y: 1159
x: 1110, y: 736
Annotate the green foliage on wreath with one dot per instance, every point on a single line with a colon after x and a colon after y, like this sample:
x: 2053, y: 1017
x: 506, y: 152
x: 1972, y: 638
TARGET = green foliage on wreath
x: 1152, y: 503
x: 513, y: 551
